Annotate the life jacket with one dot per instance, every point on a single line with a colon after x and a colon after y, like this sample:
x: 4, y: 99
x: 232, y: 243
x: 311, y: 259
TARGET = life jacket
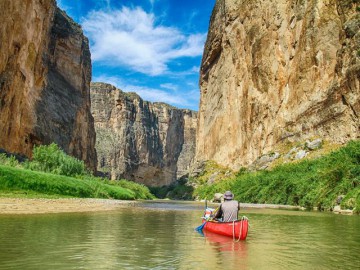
x: 208, y: 213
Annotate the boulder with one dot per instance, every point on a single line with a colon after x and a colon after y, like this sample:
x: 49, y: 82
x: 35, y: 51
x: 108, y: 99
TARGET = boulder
x: 301, y: 154
x: 313, y: 145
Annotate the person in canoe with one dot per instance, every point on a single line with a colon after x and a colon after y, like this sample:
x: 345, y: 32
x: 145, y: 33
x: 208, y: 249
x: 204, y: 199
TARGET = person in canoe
x: 228, y: 210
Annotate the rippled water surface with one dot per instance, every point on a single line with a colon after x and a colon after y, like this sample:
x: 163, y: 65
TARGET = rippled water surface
x: 160, y: 235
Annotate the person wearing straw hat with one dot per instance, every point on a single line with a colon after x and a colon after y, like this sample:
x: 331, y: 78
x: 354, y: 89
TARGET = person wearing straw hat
x: 228, y: 210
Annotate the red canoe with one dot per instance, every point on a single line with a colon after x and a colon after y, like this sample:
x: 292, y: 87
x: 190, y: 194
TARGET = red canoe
x: 237, y: 230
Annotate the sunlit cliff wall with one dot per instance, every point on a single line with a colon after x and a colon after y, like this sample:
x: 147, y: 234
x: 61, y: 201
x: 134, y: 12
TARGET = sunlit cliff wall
x: 278, y: 70
x: 150, y: 143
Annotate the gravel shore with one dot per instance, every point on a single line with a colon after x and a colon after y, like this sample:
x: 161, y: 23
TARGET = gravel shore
x: 41, y: 206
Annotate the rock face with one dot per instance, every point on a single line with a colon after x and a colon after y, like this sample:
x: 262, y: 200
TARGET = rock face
x: 150, y: 143
x: 278, y: 70
x: 45, y: 74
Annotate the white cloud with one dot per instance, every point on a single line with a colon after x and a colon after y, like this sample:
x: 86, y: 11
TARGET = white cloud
x: 191, y: 84
x: 131, y: 38
x: 169, y: 86
x: 183, y: 100
x: 181, y: 74
x: 156, y: 95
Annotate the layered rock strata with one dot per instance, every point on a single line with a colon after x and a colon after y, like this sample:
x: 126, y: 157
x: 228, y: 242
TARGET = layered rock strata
x: 150, y: 143
x: 278, y: 70
x: 45, y: 74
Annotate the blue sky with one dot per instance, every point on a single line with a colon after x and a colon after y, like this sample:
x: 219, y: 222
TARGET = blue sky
x: 151, y: 47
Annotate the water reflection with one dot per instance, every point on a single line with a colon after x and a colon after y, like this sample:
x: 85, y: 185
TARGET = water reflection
x: 223, y: 248
x: 223, y: 243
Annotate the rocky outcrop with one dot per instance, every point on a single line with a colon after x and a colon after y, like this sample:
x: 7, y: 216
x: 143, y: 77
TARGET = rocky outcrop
x: 278, y: 70
x: 45, y: 74
x: 150, y: 143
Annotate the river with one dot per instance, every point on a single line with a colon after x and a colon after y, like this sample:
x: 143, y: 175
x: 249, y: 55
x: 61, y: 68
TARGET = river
x: 160, y: 235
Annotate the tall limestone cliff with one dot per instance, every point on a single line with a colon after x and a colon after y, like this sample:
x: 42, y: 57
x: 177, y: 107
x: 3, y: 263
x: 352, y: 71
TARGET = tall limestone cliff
x: 150, y: 143
x: 45, y: 74
x: 278, y: 70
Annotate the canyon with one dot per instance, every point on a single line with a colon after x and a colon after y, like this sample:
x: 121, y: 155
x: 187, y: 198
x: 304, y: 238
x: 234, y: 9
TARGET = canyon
x: 272, y: 73
x: 149, y: 143
x: 45, y: 74
x: 278, y: 72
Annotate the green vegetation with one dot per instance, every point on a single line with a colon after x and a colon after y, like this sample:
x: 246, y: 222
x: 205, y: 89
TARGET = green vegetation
x: 309, y: 183
x: 316, y: 182
x: 14, y: 179
x: 9, y: 161
x: 141, y: 191
x: 50, y: 158
x: 29, y: 194
x: 52, y: 173
x: 180, y: 190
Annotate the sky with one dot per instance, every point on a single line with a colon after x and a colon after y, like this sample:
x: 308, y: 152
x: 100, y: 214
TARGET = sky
x: 151, y: 47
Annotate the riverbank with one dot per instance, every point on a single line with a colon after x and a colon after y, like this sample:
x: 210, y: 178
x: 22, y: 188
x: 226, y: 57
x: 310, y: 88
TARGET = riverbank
x: 53, y: 173
x: 336, y: 210
x: 25, y: 206
x: 72, y: 205
x: 320, y: 183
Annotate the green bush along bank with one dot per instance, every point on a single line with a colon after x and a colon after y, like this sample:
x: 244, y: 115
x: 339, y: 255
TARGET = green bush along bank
x: 52, y: 172
x: 308, y: 183
x: 50, y: 158
x: 180, y: 190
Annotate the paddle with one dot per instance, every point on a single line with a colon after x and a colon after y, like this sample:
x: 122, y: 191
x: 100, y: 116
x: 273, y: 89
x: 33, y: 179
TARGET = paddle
x: 200, y: 228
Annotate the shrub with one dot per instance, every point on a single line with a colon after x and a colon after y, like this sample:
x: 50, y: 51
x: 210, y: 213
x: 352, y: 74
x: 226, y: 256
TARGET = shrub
x: 179, y: 190
x: 52, y: 172
x: 15, y: 180
x: 9, y: 161
x: 141, y: 191
x: 309, y: 183
x: 50, y: 158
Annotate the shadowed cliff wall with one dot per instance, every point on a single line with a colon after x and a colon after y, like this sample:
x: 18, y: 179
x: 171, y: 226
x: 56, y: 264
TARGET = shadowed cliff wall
x: 45, y: 74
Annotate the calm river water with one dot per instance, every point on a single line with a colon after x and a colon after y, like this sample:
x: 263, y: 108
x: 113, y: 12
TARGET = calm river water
x: 161, y: 236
